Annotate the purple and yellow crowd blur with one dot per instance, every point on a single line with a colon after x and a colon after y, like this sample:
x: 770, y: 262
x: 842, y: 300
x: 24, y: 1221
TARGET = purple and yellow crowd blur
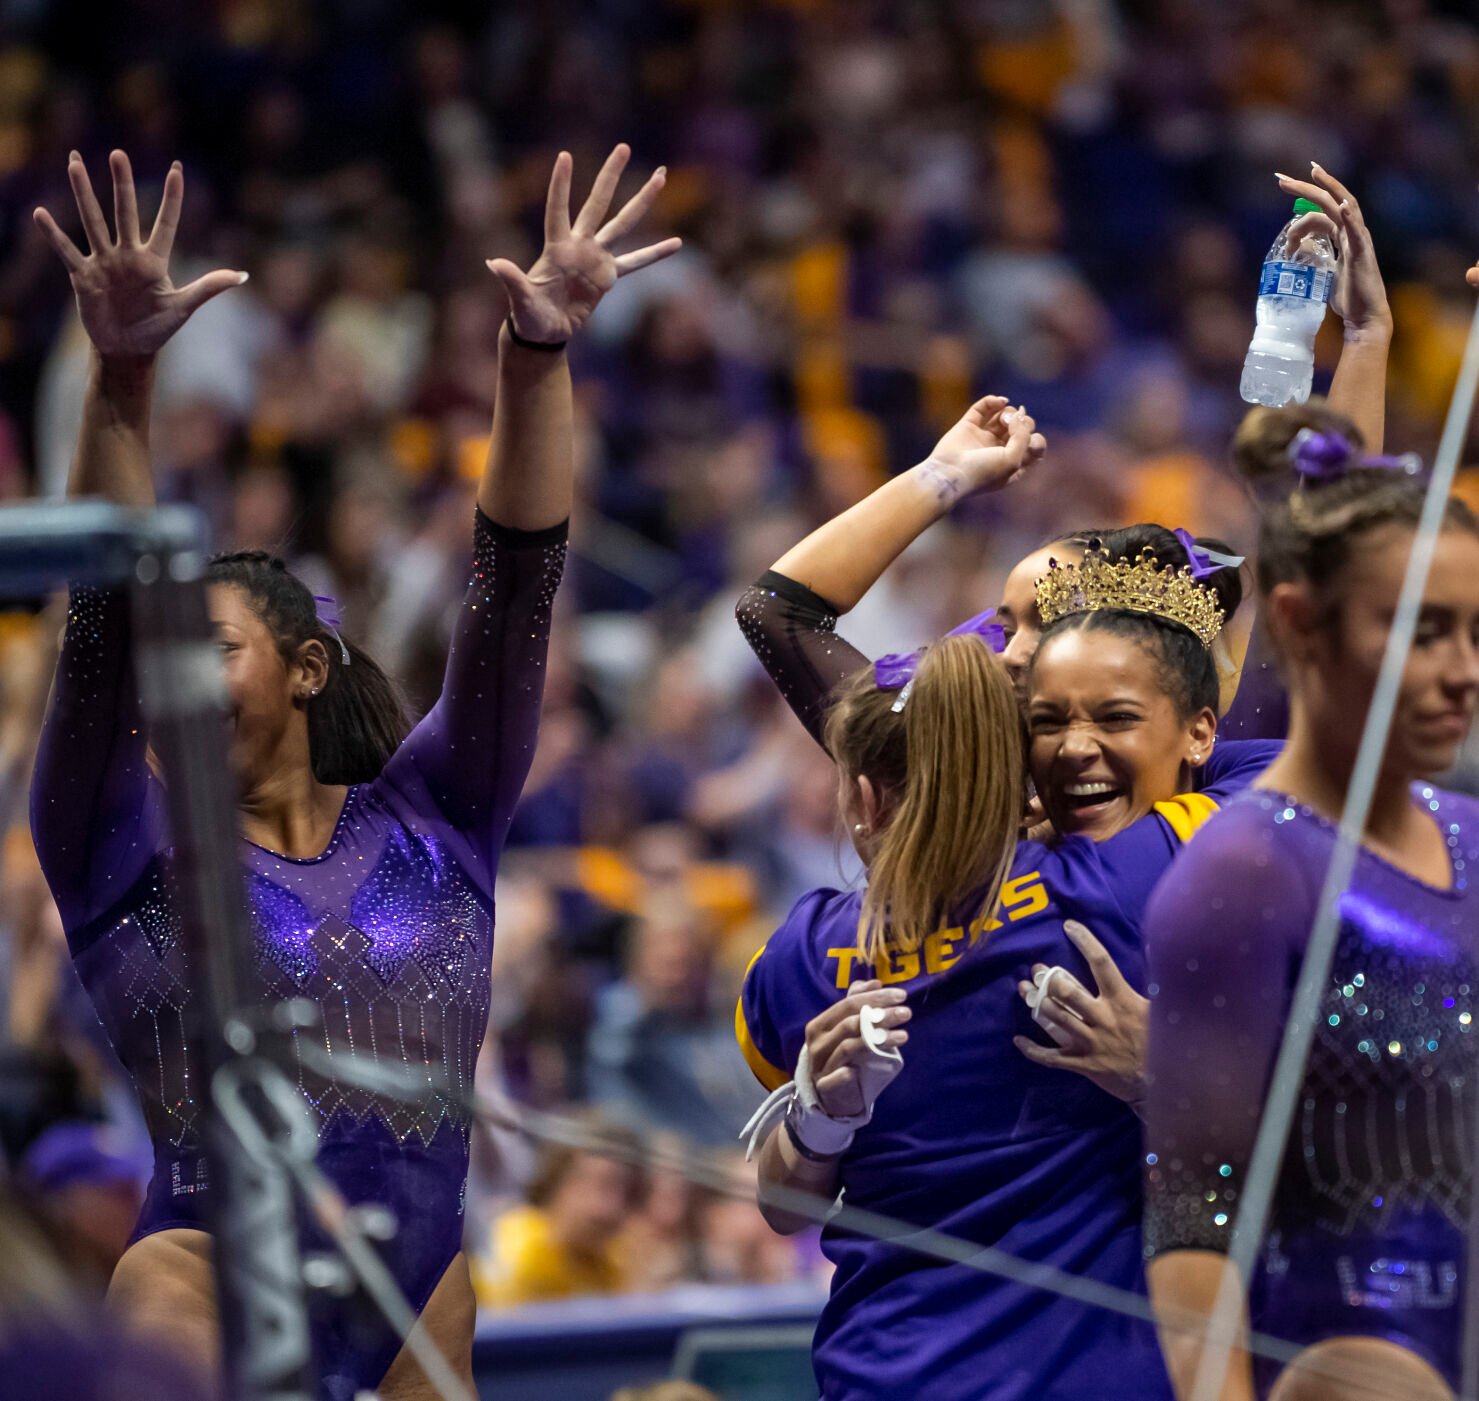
x: 888, y: 210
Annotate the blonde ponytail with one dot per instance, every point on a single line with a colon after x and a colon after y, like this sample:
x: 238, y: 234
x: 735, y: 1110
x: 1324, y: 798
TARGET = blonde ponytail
x: 949, y: 767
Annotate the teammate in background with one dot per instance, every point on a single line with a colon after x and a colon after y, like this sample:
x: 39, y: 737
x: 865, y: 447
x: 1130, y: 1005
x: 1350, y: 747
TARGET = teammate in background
x: 369, y: 851
x: 1365, y: 1260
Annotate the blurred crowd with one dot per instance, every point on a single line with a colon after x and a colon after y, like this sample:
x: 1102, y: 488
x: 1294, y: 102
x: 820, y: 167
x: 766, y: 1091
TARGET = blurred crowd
x: 889, y: 207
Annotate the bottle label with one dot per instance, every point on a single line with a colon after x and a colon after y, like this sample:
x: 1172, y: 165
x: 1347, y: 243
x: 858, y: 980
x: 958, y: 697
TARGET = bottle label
x: 1295, y: 280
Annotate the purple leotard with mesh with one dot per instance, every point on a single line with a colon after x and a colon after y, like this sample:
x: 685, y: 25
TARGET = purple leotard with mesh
x: 389, y: 930
x: 1370, y: 1217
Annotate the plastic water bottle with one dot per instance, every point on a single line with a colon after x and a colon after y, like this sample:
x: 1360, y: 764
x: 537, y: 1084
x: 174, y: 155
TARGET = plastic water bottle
x: 1292, y: 293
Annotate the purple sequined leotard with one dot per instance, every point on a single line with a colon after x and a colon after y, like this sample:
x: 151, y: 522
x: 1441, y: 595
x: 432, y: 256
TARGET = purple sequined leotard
x: 1370, y: 1217
x: 389, y: 930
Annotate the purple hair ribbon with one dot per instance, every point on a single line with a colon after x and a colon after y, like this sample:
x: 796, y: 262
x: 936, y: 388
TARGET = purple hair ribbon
x: 1326, y: 457
x: 1410, y: 464
x: 1320, y: 457
x: 326, y: 606
x: 896, y: 669
x: 1203, y: 562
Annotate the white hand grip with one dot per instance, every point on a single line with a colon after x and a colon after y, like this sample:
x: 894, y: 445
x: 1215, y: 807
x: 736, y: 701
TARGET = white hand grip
x: 1042, y: 989
x: 870, y: 1023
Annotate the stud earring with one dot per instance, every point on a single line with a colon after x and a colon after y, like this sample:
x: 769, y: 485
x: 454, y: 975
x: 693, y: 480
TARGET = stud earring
x: 859, y: 828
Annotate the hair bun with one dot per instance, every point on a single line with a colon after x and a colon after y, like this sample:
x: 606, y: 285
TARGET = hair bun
x: 1261, y: 445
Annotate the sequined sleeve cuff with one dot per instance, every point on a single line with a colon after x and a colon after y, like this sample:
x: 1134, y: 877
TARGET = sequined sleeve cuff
x: 1182, y: 1214
x: 793, y: 633
x: 802, y: 606
x: 487, y: 530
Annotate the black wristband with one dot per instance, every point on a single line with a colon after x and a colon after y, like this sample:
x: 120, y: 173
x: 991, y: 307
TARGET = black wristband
x: 810, y: 1154
x: 549, y: 347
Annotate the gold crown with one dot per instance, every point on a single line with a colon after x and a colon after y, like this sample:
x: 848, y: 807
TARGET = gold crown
x: 1139, y: 587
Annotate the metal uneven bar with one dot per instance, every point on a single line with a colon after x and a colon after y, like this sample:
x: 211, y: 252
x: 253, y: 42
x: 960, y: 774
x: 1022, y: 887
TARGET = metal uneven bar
x: 44, y: 545
x: 1283, y: 1095
x: 259, y: 1281
x: 270, y: 1119
x: 342, y: 1224
x: 161, y: 555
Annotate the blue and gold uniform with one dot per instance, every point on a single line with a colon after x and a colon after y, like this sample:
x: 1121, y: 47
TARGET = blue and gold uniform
x: 975, y: 1140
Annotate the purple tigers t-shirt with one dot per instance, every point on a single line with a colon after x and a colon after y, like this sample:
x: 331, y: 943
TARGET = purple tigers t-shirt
x: 975, y: 1140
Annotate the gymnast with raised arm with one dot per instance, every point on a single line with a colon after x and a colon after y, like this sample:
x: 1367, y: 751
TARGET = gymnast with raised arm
x: 369, y: 847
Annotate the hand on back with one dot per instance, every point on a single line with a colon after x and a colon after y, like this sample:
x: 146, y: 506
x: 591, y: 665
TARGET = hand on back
x: 128, y: 304
x: 1101, y: 1036
x: 838, y: 1048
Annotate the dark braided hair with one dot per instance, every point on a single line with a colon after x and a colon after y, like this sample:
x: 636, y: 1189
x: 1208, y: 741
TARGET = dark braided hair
x: 359, y: 718
x: 1188, y: 669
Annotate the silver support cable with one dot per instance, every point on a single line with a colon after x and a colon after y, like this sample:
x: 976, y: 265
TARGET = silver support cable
x: 1224, y: 1325
x: 717, y: 1175
x: 936, y: 1245
x: 343, y: 1225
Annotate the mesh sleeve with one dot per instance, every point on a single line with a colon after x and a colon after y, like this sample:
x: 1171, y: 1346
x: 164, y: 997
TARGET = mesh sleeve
x: 793, y: 632
x: 97, y: 813
x: 471, y: 752
x: 1222, y: 930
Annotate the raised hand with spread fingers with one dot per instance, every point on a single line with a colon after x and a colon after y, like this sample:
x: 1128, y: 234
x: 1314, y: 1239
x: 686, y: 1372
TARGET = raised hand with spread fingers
x: 528, y: 481
x: 129, y: 308
x: 128, y: 304
x: 577, y: 266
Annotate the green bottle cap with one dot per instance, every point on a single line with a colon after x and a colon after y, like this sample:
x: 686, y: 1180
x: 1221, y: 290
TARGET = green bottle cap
x: 1306, y: 206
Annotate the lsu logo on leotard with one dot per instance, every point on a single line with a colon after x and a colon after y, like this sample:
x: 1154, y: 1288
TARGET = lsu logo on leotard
x: 1020, y: 898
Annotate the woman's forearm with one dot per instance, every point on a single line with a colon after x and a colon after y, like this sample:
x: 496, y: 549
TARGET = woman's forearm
x: 112, y: 459
x: 782, y: 1166
x: 527, y: 483
x: 1184, y: 1285
x: 1359, y: 388
x: 843, y: 559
